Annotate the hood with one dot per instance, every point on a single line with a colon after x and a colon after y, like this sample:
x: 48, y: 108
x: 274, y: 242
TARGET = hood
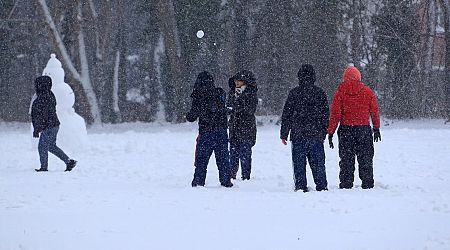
x: 246, y: 76
x: 203, y: 84
x: 352, y: 84
x: 43, y: 85
x: 306, y: 75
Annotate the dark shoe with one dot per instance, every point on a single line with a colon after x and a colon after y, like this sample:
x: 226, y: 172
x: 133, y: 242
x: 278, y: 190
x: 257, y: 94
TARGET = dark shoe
x: 227, y: 184
x: 322, y: 189
x: 304, y: 189
x: 245, y: 178
x: 196, y: 184
x: 345, y: 186
x: 367, y: 186
x: 70, y: 165
x: 41, y: 169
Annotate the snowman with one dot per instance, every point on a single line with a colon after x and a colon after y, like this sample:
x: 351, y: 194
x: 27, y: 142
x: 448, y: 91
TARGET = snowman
x: 72, y: 133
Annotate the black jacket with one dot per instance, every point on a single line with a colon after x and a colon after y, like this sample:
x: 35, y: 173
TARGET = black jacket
x: 208, y: 104
x: 43, y: 109
x: 242, y: 110
x: 306, y: 111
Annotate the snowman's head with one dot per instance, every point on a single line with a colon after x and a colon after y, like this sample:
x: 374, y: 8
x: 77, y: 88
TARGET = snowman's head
x: 54, y: 70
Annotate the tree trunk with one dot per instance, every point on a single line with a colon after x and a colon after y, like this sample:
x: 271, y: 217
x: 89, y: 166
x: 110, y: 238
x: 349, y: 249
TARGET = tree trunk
x: 173, y: 51
x: 446, y: 7
x: 84, y: 77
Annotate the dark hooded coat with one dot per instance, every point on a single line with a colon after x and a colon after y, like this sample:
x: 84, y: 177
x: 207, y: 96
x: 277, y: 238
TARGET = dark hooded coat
x: 242, y: 123
x: 306, y: 111
x: 208, y: 104
x: 43, y: 109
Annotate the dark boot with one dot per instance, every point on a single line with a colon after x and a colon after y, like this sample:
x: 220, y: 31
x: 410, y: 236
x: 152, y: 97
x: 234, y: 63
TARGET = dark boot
x: 227, y: 184
x: 70, y: 165
x: 42, y: 169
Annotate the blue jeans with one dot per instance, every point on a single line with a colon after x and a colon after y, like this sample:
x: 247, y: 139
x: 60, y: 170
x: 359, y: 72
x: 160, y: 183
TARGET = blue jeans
x: 47, y: 142
x: 313, y: 150
x: 242, y: 152
x: 207, y: 142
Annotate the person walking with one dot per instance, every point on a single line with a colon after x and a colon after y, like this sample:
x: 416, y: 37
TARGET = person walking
x: 352, y: 106
x: 46, y: 124
x: 242, y: 102
x: 208, y: 106
x: 305, y: 121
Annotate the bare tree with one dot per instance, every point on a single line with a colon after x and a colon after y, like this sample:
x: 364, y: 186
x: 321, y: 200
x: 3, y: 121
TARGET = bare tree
x: 172, y: 47
x: 82, y: 77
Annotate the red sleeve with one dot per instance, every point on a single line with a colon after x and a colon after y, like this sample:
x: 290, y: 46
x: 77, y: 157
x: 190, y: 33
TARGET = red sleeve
x: 374, y: 111
x: 336, y: 112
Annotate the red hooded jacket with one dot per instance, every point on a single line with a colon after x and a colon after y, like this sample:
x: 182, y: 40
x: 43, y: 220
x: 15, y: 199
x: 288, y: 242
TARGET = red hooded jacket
x: 353, y: 103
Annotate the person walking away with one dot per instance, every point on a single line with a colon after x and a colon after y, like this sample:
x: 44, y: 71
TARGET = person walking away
x: 46, y: 124
x: 352, y: 106
x: 242, y: 102
x: 305, y: 121
x: 208, y: 106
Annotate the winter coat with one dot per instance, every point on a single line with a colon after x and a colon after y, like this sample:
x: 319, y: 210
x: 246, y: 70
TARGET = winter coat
x: 242, y: 123
x: 43, y: 109
x: 208, y: 104
x: 306, y: 111
x: 353, y: 103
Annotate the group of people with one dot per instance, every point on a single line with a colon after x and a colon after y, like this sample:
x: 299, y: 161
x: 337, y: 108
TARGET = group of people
x: 306, y: 121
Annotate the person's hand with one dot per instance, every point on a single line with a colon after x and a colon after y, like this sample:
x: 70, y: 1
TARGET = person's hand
x: 35, y: 134
x: 376, y: 135
x: 284, y: 141
x: 330, y: 140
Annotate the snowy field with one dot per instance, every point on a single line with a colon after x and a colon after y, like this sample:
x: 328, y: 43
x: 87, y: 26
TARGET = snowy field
x: 131, y: 190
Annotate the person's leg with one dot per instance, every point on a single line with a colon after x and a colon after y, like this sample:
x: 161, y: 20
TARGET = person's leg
x: 245, y: 153
x: 365, y: 153
x: 234, y: 159
x: 54, y: 149
x: 43, y: 147
x: 203, y: 152
x: 316, y: 159
x: 222, y: 157
x: 347, y: 158
x: 299, y: 164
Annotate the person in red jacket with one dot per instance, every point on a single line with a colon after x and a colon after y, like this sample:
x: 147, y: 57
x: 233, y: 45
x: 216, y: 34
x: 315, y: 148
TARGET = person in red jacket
x: 352, y: 106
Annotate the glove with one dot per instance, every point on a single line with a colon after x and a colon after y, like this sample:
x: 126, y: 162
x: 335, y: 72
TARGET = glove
x: 330, y: 140
x: 284, y: 141
x: 376, y: 135
x: 35, y: 134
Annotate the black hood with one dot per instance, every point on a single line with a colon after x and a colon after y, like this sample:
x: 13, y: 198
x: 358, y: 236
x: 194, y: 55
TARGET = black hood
x: 246, y: 76
x: 43, y: 85
x: 306, y: 74
x: 203, y: 85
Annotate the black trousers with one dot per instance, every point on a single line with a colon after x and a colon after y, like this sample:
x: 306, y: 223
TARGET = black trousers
x: 355, y: 142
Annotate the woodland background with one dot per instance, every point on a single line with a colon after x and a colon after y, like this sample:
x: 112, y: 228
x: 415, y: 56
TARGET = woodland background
x: 137, y: 60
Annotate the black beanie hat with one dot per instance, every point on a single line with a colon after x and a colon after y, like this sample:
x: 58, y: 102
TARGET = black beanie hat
x: 246, y: 76
x: 306, y: 74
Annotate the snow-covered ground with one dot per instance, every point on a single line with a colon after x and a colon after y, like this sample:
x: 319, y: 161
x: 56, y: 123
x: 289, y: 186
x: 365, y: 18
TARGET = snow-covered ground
x: 131, y: 190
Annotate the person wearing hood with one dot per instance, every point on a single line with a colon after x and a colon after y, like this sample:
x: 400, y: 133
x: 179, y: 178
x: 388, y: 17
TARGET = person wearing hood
x: 352, y: 106
x: 46, y: 124
x: 208, y: 106
x: 305, y: 121
x: 242, y: 102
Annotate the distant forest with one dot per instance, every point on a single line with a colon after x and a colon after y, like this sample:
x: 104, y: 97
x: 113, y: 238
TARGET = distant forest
x: 137, y: 60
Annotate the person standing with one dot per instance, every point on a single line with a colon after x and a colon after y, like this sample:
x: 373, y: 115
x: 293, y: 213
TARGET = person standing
x: 46, y: 124
x: 352, y: 106
x: 305, y: 121
x: 208, y: 106
x: 242, y: 102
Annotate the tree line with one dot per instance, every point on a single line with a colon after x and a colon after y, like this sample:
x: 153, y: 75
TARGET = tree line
x: 136, y: 60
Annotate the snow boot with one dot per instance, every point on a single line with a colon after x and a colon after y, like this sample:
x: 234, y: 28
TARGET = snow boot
x: 42, y: 169
x: 70, y: 165
x: 304, y: 189
x: 227, y: 184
